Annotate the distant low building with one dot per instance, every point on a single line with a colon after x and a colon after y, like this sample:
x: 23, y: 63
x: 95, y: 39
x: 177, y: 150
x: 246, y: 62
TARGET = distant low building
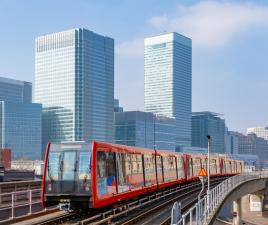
x: 117, y: 107
x: 261, y: 132
x: 145, y: 129
x: 194, y: 150
x: 232, y: 142
x: 208, y: 123
x: 251, y: 160
x: 251, y: 144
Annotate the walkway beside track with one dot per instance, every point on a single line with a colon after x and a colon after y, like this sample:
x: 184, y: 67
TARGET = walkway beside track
x: 205, y: 211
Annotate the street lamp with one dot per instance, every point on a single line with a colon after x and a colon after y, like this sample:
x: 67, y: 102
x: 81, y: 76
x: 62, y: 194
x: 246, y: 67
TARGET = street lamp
x: 208, y: 170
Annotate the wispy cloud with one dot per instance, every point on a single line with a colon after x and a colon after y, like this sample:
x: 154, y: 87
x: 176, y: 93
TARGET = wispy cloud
x: 208, y: 23
x: 133, y: 48
x: 212, y: 23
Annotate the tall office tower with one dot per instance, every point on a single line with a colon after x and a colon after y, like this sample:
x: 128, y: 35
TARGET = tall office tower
x: 261, y: 132
x: 15, y: 90
x: 168, y: 81
x: 74, y: 80
x: 20, y: 120
x: 208, y: 123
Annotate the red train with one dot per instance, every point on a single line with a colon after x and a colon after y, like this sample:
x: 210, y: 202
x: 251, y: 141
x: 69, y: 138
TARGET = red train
x: 78, y: 175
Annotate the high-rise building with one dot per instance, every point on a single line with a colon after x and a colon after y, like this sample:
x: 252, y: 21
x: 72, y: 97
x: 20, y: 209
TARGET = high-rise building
x: 208, y: 123
x: 20, y: 129
x: 145, y: 129
x: 74, y: 80
x: 168, y: 81
x: 15, y: 90
x: 261, y: 132
x: 20, y: 119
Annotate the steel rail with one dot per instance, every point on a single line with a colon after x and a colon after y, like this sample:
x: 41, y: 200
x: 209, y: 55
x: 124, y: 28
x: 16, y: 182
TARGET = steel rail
x: 167, y: 204
x: 114, y: 214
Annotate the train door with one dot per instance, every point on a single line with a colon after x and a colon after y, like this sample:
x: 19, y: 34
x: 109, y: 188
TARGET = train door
x: 68, y: 171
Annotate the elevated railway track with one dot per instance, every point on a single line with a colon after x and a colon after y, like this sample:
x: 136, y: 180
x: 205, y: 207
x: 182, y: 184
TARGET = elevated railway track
x: 152, y: 209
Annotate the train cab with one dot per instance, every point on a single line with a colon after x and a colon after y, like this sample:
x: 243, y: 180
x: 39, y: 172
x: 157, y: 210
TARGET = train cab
x: 67, y: 175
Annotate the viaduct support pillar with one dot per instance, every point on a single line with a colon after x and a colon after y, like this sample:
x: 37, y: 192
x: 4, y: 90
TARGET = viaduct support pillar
x: 256, y: 202
x: 237, y: 212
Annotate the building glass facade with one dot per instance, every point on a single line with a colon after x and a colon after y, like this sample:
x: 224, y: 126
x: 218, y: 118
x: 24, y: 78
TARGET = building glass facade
x: 144, y: 129
x: 168, y: 81
x: 20, y: 129
x: 232, y: 142
x: 252, y: 144
x: 208, y: 123
x: 74, y: 80
x: 261, y: 132
x: 15, y: 90
x: 117, y: 107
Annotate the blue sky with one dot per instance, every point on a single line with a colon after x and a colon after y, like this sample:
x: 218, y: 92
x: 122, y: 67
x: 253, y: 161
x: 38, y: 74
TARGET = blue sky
x: 229, y: 46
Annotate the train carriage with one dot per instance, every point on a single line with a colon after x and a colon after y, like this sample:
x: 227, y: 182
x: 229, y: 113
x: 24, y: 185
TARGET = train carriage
x: 170, y: 168
x: 132, y: 173
x: 82, y: 175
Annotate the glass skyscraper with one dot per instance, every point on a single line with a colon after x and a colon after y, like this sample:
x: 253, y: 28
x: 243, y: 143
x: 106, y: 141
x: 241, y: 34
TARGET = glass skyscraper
x: 168, y: 81
x: 15, y: 90
x: 20, y: 129
x: 20, y: 119
x: 74, y: 80
x: 144, y: 129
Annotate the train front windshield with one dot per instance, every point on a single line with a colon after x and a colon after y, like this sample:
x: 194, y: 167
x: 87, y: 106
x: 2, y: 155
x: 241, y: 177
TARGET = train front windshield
x: 69, y: 169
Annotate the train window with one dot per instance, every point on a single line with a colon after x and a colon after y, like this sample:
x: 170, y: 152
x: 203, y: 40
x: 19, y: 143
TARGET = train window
x: 205, y: 163
x: 190, y: 167
x: 135, y: 177
x: 122, y: 177
x: 106, y: 173
x: 159, y: 169
x: 169, y: 165
x: 130, y: 171
x: 223, y: 167
x: 53, y: 166
x: 53, y: 170
x: 197, y: 166
x: 213, y: 169
x: 84, y: 165
x: 180, y: 167
x: 69, y: 158
x: 149, y: 169
x: 84, y: 171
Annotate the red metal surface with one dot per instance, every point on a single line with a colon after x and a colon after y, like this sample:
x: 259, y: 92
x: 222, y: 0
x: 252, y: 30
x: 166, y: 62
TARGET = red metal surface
x: 44, y: 175
x: 94, y: 173
x: 6, y: 157
x: 115, y: 197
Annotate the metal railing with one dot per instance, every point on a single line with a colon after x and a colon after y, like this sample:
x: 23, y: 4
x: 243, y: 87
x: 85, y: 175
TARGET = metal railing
x: 203, y: 210
x: 25, y: 199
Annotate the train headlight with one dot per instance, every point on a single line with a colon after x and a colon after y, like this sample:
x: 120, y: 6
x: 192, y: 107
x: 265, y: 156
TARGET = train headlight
x: 87, y: 187
x: 49, y: 187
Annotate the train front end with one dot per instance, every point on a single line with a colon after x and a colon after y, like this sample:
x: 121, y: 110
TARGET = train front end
x: 67, y: 176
